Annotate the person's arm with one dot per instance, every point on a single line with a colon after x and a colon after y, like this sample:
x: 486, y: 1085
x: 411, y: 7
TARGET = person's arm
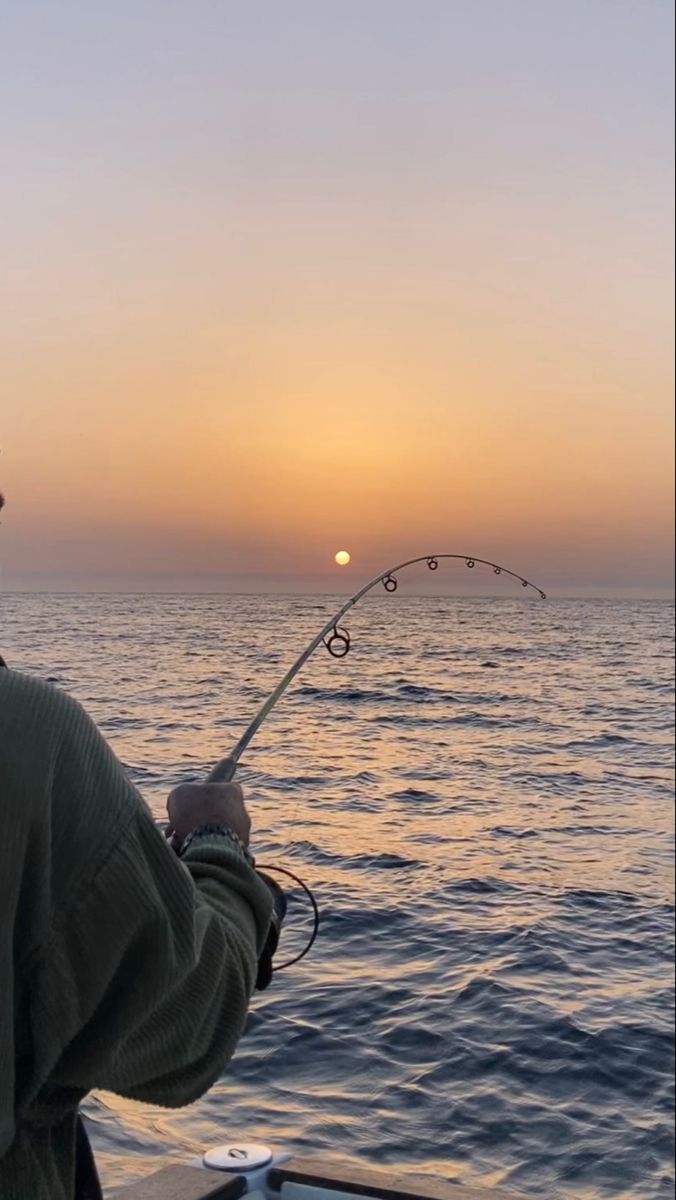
x: 166, y: 953
x: 144, y: 984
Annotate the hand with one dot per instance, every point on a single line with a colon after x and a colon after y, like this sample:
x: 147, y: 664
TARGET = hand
x: 193, y: 804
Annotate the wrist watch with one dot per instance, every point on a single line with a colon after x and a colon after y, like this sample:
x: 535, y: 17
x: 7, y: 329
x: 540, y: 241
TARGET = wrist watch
x: 215, y: 830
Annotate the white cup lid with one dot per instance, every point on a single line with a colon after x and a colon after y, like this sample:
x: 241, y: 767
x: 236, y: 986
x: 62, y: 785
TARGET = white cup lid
x: 238, y: 1157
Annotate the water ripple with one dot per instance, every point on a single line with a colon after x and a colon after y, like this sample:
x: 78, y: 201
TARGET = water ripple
x: 485, y: 815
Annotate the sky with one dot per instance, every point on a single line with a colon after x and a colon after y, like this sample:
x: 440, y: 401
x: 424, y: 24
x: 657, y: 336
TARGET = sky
x: 279, y: 279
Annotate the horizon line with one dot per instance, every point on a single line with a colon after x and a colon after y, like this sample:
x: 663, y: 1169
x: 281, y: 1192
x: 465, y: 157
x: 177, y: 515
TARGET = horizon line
x: 666, y: 598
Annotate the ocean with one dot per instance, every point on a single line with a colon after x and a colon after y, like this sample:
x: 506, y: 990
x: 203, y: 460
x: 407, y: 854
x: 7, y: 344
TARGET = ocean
x: 480, y: 796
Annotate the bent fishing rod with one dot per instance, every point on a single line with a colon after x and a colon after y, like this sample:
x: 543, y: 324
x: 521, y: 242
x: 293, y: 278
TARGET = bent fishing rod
x: 337, y: 641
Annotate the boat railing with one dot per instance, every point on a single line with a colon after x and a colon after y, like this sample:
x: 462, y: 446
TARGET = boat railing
x: 301, y: 1179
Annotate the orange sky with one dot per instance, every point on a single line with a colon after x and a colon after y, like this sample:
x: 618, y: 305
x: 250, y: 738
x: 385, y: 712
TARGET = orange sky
x: 401, y: 296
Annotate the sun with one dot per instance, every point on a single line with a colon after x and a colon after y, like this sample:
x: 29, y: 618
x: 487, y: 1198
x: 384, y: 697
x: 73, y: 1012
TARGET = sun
x: 342, y: 558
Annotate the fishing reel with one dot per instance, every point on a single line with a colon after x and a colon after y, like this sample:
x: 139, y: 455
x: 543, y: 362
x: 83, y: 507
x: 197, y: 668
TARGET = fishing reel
x: 279, y: 907
x: 265, y: 969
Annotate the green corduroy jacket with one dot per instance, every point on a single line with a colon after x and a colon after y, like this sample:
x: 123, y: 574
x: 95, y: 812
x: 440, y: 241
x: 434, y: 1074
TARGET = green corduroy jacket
x: 121, y: 967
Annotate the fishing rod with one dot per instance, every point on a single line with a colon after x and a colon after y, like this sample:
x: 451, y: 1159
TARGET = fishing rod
x: 337, y: 641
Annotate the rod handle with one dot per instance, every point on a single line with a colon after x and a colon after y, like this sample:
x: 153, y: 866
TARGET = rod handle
x: 224, y: 771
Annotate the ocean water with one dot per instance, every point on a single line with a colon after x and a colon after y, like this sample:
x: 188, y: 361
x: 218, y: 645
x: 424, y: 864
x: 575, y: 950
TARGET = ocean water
x: 480, y: 796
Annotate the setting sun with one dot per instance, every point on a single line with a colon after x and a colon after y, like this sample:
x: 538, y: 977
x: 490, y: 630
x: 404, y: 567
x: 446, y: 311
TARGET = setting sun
x: 342, y: 558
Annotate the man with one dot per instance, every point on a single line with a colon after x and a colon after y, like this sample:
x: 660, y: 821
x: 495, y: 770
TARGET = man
x: 123, y: 965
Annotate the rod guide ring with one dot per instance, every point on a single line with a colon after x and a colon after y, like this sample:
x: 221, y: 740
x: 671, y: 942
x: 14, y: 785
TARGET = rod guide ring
x: 338, y: 644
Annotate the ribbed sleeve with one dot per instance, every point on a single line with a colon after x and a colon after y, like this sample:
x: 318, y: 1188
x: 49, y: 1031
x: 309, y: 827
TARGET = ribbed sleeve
x: 134, y: 970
